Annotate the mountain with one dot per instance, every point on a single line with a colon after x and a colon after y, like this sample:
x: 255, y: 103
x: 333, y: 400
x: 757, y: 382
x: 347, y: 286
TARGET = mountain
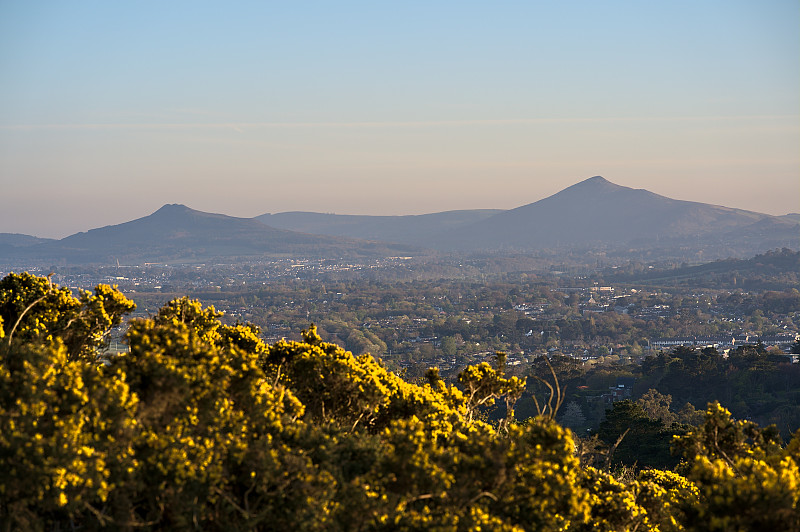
x: 594, y: 215
x: 598, y: 214
x: 179, y: 234
x: 411, y: 229
x: 10, y: 243
x: 20, y: 241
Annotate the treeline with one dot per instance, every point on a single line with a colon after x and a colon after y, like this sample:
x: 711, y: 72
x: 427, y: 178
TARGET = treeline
x: 668, y: 387
x: 203, y: 426
x: 775, y: 270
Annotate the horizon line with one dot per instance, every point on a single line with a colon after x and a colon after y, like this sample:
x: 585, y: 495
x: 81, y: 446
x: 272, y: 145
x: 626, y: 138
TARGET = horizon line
x: 385, y: 124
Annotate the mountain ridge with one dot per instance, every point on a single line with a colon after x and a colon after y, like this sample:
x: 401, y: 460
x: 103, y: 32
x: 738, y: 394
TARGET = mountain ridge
x: 410, y: 229
x: 176, y: 232
x: 593, y: 214
x: 597, y: 212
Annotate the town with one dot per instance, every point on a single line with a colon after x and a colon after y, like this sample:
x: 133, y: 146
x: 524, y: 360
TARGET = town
x: 400, y: 311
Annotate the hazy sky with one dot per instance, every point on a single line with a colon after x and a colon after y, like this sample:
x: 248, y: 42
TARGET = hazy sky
x: 109, y: 110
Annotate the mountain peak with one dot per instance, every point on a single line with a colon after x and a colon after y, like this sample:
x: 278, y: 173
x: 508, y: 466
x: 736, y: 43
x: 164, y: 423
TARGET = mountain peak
x: 593, y: 185
x: 173, y: 208
x: 595, y: 181
x: 175, y: 213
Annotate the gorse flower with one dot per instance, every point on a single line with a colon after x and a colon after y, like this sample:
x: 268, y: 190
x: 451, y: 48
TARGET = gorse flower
x: 203, y: 426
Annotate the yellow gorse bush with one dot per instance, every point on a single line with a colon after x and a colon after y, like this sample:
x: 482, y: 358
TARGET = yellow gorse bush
x: 203, y: 426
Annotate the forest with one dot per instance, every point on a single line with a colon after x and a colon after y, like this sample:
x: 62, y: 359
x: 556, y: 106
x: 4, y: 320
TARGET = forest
x: 201, y: 425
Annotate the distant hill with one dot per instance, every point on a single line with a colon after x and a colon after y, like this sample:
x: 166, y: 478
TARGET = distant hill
x: 596, y: 213
x: 773, y: 270
x: 412, y: 229
x: 180, y: 234
x: 792, y: 217
x: 10, y: 243
x: 594, y: 216
x: 19, y: 241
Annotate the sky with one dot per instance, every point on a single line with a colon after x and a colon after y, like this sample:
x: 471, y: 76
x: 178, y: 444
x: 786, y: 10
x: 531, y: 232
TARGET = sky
x: 109, y: 110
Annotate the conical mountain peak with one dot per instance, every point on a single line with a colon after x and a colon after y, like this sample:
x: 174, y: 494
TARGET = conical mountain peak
x: 596, y: 182
x: 593, y: 214
x: 597, y: 179
x: 173, y: 208
x: 598, y: 213
x: 176, y: 232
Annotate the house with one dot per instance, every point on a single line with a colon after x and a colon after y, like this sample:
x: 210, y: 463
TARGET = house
x: 621, y: 391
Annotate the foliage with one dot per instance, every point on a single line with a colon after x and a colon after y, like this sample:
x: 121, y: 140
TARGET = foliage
x: 65, y: 435
x: 746, y: 480
x: 748, y: 381
x: 646, y: 442
x: 81, y: 324
x: 203, y: 426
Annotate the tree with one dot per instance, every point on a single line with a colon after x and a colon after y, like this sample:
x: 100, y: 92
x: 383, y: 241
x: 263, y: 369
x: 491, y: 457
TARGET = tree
x: 573, y: 418
x: 645, y: 441
x: 657, y: 406
x: 449, y: 345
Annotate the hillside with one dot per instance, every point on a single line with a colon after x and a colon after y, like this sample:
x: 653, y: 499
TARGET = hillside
x: 412, y: 229
x: 19, y: 241
x: 774, y: 270
x: 594, y: 216
x: 12, y: 244
x: 178, y: 233
x: 596, y: 213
